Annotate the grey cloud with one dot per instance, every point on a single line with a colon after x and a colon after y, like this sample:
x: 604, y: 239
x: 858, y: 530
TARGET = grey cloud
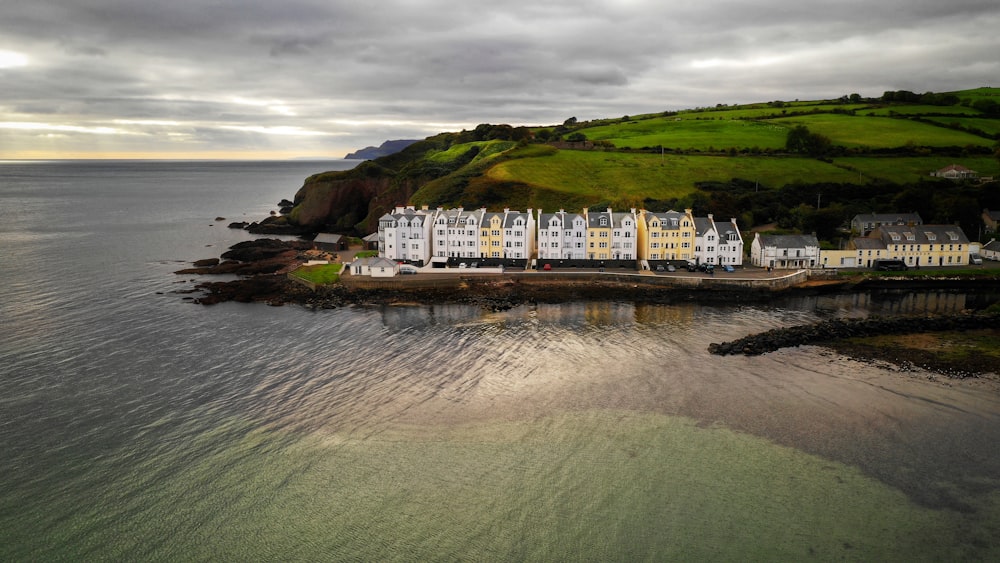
x: 303, y: 63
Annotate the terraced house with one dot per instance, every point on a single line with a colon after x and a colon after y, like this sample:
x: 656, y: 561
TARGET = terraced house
x: 923, y: 245
x: 405, y: 235
x: 668, y: 235
x: 510, y: 234
x: 562, y: 236
x: 456, y: 233
x: 611, y: 236
x: 717, y: 244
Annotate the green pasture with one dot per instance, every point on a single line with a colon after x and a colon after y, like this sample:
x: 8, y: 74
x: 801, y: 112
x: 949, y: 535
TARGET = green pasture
x: 765, y: 111
x: 877, y: 132
x: 917, y: 109
x: 617, y: 176
x: 990, y: 126
x: 978, y: 94
x: 319, y: 274
x: 902, y: 170
x: 486, y: 150
x: 686, y: 133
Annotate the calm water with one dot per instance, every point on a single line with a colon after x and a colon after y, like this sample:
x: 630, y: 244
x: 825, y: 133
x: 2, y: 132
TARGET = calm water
x: 136, y: 426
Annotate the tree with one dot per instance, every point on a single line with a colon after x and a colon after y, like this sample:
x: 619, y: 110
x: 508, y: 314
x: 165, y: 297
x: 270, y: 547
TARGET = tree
x: 802, y: 141
x: 570, y: 122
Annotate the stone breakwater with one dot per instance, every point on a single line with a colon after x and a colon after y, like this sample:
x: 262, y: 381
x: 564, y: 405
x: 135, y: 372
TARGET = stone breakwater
x: 839, y: 329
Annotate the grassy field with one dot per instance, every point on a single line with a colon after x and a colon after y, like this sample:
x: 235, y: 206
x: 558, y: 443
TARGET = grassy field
x: 611, y: 175
x: 903, y: 170
x: 687, y: 133
x: 991, y: 126
x: 319, y: 274
x: 486, y: 150
x: 874, y: 132
x: 917, y: 110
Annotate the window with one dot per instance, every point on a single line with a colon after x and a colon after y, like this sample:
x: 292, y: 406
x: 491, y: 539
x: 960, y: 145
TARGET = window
x: 604, y: 245
x: 604, y: 221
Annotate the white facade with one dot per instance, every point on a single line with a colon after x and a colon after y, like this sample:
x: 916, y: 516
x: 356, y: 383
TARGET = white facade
x: 562, y: 236
x: 785, y: 251
x: 624, y: 235
x: 717, y: 243
x: 518, y: 234
x: 456, y: 233
x: 405, y: 235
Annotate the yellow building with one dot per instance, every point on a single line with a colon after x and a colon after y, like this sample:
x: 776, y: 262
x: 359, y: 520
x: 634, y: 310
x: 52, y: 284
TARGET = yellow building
x: 491, y: 236
x: 925, y: 245
x: 666, y: 235
x: 599, y: 226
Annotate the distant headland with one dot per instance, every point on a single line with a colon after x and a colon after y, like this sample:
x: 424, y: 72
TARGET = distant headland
x: 385, y: 149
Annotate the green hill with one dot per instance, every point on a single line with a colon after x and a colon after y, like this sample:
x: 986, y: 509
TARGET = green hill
x: 885, y: 147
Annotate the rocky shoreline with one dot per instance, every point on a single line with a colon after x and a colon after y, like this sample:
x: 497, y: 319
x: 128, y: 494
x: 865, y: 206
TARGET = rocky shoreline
x: 843, y: 334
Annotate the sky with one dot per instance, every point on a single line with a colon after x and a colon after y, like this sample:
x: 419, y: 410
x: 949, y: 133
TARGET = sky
x: 320, y: 78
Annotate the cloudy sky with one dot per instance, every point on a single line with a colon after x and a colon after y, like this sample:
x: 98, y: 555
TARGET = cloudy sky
x: 301, y: 78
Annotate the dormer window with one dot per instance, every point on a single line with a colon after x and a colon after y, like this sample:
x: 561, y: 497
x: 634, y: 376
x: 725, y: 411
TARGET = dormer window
x: 910, y: 237
x: 894, y: 235
x: 952, y: 235
x: 604, y: 221
x: 930, y: 235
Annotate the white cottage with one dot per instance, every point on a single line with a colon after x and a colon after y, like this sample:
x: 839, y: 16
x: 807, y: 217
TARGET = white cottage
x: 784, y: 251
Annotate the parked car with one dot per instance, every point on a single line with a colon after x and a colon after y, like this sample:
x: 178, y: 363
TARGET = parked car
x: 660, y: 268
x: 547, y: 267
x: 707, y: 268
x: 692, y: 267
x: 976, y: 259
x: 463, y: 265
x: 407, y: 269
x: 729, y: 268
x: 671, y: 268
x: 890, y: 265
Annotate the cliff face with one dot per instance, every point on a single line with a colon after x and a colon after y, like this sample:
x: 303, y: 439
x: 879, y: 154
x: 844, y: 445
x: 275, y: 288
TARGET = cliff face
x: 348, y: 202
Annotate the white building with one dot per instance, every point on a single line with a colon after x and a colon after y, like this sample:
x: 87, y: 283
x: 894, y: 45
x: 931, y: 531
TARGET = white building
x: 717, y: 243
x: 374, y: 267
x: 562, y: 235
x: 405, y: 235
x: 518, y: 234
x: 456, y: 233
x: 784, y: 251
x: 624, y: 235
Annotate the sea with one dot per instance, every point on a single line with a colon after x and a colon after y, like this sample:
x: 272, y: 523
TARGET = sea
x: 136, y: 425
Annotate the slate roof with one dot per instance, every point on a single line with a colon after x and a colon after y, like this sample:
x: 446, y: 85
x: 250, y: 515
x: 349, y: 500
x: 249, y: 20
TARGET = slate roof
x: 921, y: 234
x: 992, y: 246
x: 666, y: 219
x: 331, y: 238
x: 702, y: 225
x: 789, y: 241
x: 888, y: 218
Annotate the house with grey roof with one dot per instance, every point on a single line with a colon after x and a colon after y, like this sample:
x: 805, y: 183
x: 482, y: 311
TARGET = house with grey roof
x: 562, y: 236
x: 991, y: 250
x: 865, y: 223
x: 784, y: 252
x: 717, y: 243
x: 991, y: 218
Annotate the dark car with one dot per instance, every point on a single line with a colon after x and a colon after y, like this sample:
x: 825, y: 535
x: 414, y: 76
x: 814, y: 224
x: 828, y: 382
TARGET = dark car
x: 707, y: 268
x: 660, y: 268
x: 890, y: 265
x: 692, y: 267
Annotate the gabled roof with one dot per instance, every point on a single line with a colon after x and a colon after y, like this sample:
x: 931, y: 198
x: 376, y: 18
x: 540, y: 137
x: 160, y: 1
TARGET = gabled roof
x: 371, y: 238
x: 702, y: 225
x: 513, y: 216
x: 666, y: 218
x: 330, y: 238
x: 921, y: 234
x: 992, y: 246
x: 954, y: 168
x: 788, y: 241
x: 380, y: 262
x: 867, y: 243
